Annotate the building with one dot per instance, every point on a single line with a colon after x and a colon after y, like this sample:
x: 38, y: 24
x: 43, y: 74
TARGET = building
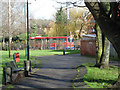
x: 91, y: 25
x: 88, y: 41
x: 88, y: 45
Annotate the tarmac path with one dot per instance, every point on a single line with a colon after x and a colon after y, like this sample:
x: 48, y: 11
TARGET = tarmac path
x: 56, y: 72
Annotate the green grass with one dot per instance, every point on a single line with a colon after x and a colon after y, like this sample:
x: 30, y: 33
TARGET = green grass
x: 97, y: 78
x: 5, y: 56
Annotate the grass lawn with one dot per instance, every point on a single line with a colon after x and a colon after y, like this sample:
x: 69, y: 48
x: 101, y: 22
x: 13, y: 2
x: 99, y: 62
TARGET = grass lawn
x: 97, y: 78
x: 5, y: 55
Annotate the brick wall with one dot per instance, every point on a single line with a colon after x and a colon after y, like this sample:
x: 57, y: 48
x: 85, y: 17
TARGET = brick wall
x: 88, y: 47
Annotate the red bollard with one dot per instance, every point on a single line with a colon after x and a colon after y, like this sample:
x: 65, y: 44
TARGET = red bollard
x: 16, y: 57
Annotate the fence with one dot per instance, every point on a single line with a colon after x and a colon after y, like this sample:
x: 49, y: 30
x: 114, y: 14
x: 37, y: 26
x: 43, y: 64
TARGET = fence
x: 113, y: 53
x: 45, y: 44
x: 14, y: 46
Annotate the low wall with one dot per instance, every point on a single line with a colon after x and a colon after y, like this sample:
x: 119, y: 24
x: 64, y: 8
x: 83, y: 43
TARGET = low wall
x: 113, y: 53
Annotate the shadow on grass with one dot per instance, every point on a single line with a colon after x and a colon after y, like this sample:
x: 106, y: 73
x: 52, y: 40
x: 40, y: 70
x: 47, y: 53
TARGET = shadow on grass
x: 99, y: 80
x: 106, y: 77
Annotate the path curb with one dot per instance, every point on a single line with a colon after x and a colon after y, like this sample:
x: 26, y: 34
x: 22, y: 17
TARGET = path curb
x: 78, y: 82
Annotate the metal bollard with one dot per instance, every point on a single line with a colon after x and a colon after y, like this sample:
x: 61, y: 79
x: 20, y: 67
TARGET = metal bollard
x: 27, y: 67
x: 63, y: 52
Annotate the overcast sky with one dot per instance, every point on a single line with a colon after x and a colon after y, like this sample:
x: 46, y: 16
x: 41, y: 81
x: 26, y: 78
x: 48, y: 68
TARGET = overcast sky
x: 44, y: 9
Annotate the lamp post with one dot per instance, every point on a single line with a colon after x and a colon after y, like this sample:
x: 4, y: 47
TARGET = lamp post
x: 67, y: 20
x: 67, y: 17
x: 27, y: 32
x: 9, y: 27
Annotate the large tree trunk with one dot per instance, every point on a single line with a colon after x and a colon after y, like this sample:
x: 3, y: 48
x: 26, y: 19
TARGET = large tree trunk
x: 99, y: 45
x: 103, y: 51
x: 105, y: 54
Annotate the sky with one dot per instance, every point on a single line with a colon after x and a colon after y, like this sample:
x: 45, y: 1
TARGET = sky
x: 44, y: 9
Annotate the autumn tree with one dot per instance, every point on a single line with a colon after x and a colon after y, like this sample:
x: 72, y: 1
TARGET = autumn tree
x: 51, y: 31
x: 60, y: 23
x: 77, y: 21
x: 58, y: 27
x: 78, y: 18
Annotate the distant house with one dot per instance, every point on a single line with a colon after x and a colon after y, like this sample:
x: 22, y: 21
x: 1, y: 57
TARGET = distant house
x: 91, y: 25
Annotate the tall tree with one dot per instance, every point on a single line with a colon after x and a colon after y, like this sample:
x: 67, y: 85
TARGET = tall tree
x: 60, y: 24
x: 78, y: 17
x: 107, y: 15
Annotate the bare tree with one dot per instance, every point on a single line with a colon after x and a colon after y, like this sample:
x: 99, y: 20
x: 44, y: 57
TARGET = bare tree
x: 17, y: 19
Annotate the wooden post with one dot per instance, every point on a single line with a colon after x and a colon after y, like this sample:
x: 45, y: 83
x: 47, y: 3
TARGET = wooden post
x: 41, y: 44
x: 27, y: 67
x: 7, y: 75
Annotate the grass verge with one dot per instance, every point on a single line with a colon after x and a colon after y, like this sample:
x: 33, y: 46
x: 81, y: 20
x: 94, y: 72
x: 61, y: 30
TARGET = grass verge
x: 97, y: 78
x: 22, y: 57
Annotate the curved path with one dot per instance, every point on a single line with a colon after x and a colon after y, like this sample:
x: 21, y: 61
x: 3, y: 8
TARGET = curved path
x: 56, y: 72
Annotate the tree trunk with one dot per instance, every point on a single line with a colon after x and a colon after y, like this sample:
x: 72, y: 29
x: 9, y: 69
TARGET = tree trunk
x: 80, y: 31
x: 109, y: 26
x: 105, y: 54
x: 102, y: 59
x: 99, y: 45
x: 3, y: 42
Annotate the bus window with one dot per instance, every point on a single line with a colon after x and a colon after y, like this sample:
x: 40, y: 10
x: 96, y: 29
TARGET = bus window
x: 70, y: 39
x: 65, y: 40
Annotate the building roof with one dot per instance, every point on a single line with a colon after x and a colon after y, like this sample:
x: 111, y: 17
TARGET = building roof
x: 90, y: 35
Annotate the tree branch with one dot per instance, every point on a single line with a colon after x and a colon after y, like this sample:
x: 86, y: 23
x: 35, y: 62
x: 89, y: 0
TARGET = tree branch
x: 114, y: 10
x: 75, y: 4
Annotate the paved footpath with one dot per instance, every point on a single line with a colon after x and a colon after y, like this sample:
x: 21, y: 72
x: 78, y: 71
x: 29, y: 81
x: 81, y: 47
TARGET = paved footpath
x: 56, y: 72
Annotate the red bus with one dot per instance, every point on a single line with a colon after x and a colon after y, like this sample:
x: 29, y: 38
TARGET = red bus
x: 67, y: 41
